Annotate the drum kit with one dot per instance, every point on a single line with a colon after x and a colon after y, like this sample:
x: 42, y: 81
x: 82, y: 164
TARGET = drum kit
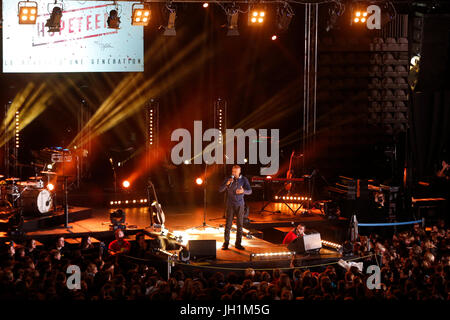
x: 31, y: 195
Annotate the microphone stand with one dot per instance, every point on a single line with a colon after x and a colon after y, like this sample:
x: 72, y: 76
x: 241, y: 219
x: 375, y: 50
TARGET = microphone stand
x: 205, y: 202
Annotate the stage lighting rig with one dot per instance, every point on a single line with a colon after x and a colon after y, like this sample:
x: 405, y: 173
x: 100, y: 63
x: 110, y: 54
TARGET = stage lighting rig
x: 232, y: 17
x: 141, y: 14
x: 335, y: 10
x: 256, y: 16
x: 113, y: 18
x: 170, y: 28
x: 359, y: 16
x: 54, y: 22
x: 27, y: 12
x: 284, y: 16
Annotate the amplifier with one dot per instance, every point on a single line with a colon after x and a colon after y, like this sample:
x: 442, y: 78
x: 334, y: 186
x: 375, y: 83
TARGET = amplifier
x: 202, y: 249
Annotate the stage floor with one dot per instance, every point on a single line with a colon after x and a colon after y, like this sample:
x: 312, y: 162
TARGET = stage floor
x: 185, y: 219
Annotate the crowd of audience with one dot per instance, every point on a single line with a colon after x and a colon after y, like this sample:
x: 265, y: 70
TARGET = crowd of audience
x: 415, y: 265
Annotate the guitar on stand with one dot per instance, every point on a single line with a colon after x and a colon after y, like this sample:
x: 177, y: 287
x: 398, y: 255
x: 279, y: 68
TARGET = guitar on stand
x: 155, y: 207
x: 289, y: 175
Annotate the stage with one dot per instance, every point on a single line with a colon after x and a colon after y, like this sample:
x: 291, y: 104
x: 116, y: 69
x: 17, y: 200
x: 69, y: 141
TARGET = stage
x: 262, y: 236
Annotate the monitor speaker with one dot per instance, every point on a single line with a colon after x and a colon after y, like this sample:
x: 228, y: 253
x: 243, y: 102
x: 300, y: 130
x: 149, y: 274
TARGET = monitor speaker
x: 202, y: 249
x: 309, y: 242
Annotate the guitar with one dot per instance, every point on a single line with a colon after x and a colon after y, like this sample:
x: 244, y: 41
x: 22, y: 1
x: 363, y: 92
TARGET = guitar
x: 157, y: 211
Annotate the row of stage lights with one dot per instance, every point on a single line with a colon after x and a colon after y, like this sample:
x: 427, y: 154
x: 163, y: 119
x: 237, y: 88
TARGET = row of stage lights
x: 17, y: 130
x: 120, y: 202
x: 141, y: 16
x: 331, y: 244
x: 325, y: 243
x: 294, y: 198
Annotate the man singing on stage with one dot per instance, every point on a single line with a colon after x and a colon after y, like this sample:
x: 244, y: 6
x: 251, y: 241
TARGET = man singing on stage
x: 236, y: 187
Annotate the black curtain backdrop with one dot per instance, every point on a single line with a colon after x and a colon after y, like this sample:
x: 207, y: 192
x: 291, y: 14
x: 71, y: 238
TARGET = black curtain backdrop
x: 430, y: 131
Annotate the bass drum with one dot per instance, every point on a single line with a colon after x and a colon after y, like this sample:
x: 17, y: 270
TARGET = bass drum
x: 36, y: 202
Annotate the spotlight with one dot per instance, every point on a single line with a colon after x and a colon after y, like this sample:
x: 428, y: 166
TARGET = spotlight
x: 205, y: 4
x: 50, y: 166
x: 141, y: 16
x: 54, y: 22
x: 199, y: 181
x: 126, y: 184
x: 27, y: 12
x: 284, y: 17
x: 233, y: 17
x: 186, y: 161
x: 170, y: 29
x: 360, y: 16
x: 113, y: 19
x: 50, y: 187
x: 256, y: 16
x: 274, y: 37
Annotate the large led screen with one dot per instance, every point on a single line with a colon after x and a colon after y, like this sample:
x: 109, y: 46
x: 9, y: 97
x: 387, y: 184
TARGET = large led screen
x: 84, y: 43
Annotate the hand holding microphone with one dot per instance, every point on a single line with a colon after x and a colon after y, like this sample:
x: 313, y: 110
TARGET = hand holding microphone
x: 230, y: 181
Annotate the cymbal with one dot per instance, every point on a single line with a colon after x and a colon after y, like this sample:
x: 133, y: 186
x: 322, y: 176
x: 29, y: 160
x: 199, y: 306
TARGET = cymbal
x: 48, y: 172
x: 1, y: 176
x: 12, y: 179
x: 35, y: 178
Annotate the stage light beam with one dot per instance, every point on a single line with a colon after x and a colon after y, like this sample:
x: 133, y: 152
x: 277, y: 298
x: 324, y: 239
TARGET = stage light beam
x: 199, y: 181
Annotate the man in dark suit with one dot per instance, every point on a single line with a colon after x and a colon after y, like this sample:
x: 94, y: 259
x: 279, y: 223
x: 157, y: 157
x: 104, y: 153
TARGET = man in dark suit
x: 236, y: 187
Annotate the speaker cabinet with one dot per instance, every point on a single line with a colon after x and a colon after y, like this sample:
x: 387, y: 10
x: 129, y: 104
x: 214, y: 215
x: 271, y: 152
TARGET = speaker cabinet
x: 309, y: 242
x: 202, y: 249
